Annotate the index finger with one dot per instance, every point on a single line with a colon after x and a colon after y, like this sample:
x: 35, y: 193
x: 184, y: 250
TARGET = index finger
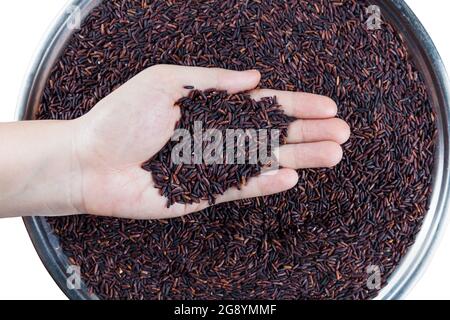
x: 182, y: 79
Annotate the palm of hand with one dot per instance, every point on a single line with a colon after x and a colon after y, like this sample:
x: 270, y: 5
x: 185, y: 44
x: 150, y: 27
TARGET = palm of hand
x: 124, y: 130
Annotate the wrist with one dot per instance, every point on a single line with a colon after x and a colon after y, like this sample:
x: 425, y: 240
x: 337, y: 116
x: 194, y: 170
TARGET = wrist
x: 62, y: 170
x: 41, y: 172
x: 77, y: 166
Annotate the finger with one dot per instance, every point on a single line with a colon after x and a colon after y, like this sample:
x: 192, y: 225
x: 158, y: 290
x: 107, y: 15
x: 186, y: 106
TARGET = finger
x: 323, y: 154
x: 300, y: 104
x: 183, y: 79
x: 154, y: 206
x: 333, y: 129
x: 263, y: 185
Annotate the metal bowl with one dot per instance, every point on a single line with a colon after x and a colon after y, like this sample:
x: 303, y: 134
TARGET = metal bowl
x: 427, y: 61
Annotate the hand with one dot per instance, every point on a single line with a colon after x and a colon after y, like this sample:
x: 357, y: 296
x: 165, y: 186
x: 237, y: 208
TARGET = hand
x: 134, y: 122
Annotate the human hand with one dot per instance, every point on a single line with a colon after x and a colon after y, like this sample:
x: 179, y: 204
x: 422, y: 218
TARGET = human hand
x: 133, y: 123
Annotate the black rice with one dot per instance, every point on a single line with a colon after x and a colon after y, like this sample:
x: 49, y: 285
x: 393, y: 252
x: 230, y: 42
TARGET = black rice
x: 192, y: 180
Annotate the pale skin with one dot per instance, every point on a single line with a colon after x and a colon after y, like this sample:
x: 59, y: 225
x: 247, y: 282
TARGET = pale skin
x: 93, y: 164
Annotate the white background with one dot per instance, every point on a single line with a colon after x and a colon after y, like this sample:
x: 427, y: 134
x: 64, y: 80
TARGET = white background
x: 22, y: 25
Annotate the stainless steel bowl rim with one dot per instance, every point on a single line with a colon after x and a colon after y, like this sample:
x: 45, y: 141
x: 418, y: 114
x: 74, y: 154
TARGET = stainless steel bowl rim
x: 411, y: 267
